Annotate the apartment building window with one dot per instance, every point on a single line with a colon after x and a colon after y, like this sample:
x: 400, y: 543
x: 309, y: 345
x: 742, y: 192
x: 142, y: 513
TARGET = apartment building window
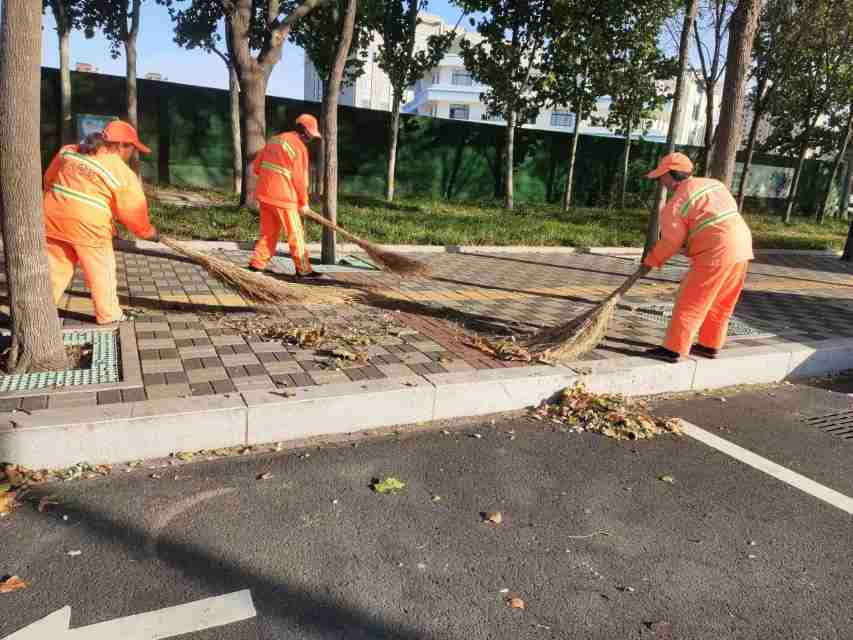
x: 459, y: 112
x: 696, y: 111
x: 435, y: 78
x: 563, y: 119
x: 462, y: 79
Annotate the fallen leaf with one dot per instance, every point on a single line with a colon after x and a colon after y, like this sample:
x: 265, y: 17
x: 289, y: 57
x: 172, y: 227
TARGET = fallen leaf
x: 516, y: 603
x: 478, y: 436
x: 668, y: 479
x: 388, y: 485
x: 47, y: 501
x: 265, y: 476
x: 436, y: 498
x: 154, y: 476
x: 8, y: 501
x: 74, y: 553
x: 185, y: 456
x: 12, y: 583
x: 495, y: 517
x: 5, y: 488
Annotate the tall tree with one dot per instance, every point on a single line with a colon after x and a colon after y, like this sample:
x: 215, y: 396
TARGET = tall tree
x: 637, y: 68
x: 335, y: 38
x: 816, y: 53
x: 508, y: 60
x: 66, y: 14
x: 575, y: 67
x: 119, y: 20
x: 845, y: 135
x: 691, y: 8
x: 397, y: 23
x: 197, y: 26
x: 36, y: 332
x: 742, y: 26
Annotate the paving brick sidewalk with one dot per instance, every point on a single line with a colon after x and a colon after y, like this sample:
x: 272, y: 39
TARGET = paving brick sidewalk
x: 189, y: 340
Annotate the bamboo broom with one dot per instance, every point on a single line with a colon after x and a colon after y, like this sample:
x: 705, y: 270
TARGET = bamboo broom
x: 583, y: 333
x: 254, y: 287
x: 389, y: 260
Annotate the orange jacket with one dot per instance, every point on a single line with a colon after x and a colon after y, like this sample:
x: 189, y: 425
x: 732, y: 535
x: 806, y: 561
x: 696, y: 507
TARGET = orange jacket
x: 282, y: 169
x: 703, y: 214
x: 85, y: 194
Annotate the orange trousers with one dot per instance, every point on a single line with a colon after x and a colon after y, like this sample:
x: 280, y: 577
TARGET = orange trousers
x: 99, y: 269
x: 705, y: 303
x: 273, y: 219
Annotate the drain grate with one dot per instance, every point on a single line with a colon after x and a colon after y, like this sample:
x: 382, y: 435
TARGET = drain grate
x: 106, y: 366
x: 662, y: 314
x: 838, y: 424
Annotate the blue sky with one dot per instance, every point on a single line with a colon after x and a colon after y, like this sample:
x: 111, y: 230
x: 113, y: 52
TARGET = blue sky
x: 159, y: 54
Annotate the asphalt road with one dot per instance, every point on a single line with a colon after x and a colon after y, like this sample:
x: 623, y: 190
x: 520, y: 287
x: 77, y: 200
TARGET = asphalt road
x: 593, y: 542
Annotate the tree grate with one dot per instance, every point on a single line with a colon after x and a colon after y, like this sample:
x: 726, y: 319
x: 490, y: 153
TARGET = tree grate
x: 662, y: 314
x: 838, y: 424
x: 106, y: 366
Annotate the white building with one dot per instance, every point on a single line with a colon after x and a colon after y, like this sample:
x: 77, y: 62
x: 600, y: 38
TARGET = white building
x: 449, y: 91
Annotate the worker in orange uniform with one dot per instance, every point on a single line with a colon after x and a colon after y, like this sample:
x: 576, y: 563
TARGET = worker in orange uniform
x: 87, y: 187
x: 703, y: 215
x: 282, y: 190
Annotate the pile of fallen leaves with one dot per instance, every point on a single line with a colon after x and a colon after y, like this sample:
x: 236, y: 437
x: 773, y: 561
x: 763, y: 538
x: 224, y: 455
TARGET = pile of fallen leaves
x: 610, y: 415
x: 502, y: 348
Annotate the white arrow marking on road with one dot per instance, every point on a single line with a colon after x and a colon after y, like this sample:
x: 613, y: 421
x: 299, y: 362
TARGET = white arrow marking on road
x: 153, y: 625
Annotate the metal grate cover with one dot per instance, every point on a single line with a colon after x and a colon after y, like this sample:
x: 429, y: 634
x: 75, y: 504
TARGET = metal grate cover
x: 662, y: 314
x: 838, y: 424
x: 106, y: 366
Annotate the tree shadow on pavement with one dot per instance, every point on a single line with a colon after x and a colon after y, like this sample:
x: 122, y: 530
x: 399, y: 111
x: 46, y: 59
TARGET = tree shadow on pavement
x: 295, y: 606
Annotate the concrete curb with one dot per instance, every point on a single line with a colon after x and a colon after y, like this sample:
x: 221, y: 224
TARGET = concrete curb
x: 116, y: 433
x: 314, y: 247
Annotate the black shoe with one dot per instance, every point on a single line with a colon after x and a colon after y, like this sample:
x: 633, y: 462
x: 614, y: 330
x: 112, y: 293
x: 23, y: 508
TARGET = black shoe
x: 705, y: 352
x: 254, y: 269
x: 310, y: 274
x: 662, y: 353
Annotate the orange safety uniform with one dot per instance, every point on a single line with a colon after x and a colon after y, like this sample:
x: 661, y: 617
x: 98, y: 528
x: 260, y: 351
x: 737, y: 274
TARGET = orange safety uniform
x: 282, y: 190
x: 703, y: 215
x: 83, y: 197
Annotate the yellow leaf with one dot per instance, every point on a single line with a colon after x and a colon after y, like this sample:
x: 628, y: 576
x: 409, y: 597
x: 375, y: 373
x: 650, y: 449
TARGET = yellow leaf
x: 495, y: 517
x: 515, y: 603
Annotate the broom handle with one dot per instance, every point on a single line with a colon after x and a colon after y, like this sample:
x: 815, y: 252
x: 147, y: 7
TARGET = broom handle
x: 631, y: 281
x: 316, y: 217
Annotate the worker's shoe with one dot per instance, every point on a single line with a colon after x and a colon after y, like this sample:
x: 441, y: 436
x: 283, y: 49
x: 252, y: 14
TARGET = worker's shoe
x: 662, y: 353
x: 705, y: 352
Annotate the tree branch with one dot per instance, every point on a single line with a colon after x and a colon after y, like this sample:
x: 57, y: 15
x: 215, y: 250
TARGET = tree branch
x: 283, y: 28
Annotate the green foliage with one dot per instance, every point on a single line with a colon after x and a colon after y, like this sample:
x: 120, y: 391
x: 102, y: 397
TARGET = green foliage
x: 509, y: 56
x: 118, y: 20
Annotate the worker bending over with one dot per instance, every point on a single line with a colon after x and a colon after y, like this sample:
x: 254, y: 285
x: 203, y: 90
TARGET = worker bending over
x: 87, y: 187
x: 703, y: 215
x: 282, y: 190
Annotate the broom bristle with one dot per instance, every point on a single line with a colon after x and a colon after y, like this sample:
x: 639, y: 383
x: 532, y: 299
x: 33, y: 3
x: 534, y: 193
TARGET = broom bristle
x: 254, y: 287
x: 396, y: 262
x: 576, y: 337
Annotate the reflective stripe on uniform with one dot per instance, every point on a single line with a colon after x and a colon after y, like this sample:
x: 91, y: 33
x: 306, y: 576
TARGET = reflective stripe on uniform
x: 97, y: 166
x: 286, y: 146
x: 276, y: 168
x: 711, y: 221
x: 81, y: 197
x: 695, y: 196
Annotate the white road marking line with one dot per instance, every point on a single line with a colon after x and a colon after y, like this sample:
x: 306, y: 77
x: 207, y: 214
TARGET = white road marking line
x: 830, y: 496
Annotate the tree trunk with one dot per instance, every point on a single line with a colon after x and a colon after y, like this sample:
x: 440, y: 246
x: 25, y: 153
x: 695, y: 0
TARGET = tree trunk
x: 742, y: 29
x: 795, y: 183
x: 708, y: 151
x: 690, y: 10
x: 509, y: 196
x: 750, y: 144
x: 393, y: 136
x: 130, y: 89
x: 573, y: 152
x: 66, y: 124
x: 624, y: 187
x: 36, y: 331
x: 253, y: 124
x: 321, y: 155
x: 330, y: 132
x: 236, y: 138
x: 821, y: 214
x: 847, y: 191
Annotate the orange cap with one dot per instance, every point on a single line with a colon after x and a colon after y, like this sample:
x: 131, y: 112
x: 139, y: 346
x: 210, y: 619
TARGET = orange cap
x: 120, y: 131
x: 310, y: 124
x: 672, y: 162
